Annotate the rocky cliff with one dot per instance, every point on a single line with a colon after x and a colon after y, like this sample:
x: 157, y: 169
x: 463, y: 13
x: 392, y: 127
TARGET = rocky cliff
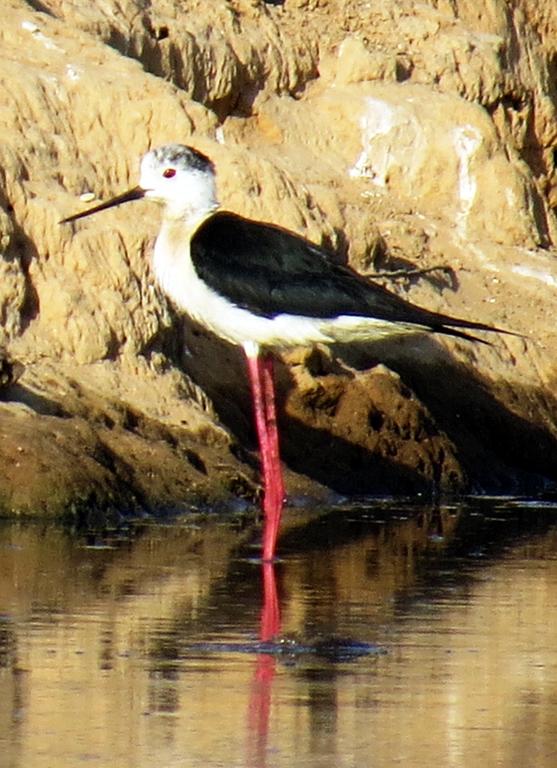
x: 403, y: 136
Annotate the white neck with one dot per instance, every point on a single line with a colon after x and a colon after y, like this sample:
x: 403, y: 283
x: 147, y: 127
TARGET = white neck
x: 196, y: 199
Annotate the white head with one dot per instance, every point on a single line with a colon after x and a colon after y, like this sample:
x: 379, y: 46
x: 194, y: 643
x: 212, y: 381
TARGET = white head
x: 180, y: 177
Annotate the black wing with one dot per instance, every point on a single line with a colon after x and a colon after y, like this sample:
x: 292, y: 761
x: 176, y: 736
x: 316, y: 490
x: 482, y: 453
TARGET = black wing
x: 269, y: 271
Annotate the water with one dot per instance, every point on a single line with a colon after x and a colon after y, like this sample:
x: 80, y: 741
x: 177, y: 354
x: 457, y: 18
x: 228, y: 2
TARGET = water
x: 167, y: 645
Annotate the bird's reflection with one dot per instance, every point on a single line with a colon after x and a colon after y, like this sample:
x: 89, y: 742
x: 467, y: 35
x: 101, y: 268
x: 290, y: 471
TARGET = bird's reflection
x: 259, y: 707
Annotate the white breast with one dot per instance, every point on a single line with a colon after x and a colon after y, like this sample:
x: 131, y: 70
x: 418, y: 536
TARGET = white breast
x: 177, y: 276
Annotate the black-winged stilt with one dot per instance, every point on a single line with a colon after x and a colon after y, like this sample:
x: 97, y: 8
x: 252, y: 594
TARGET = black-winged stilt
x: 261, y: 287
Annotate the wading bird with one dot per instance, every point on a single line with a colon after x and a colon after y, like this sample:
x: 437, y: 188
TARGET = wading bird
x: 263, y: 288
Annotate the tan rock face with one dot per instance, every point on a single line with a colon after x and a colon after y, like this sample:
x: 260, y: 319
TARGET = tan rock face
x: 397, y: 134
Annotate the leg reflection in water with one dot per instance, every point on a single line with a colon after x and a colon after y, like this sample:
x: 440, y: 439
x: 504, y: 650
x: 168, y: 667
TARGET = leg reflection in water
x: 261, y: 686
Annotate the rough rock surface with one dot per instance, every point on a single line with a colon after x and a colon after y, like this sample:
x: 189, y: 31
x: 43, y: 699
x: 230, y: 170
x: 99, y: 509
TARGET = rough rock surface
x: 398, y: 134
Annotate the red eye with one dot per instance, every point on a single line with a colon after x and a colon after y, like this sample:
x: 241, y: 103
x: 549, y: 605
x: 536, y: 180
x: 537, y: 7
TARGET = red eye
x: 168, y: 173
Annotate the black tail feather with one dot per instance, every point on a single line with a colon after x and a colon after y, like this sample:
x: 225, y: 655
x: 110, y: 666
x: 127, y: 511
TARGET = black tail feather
x: 452, y: 326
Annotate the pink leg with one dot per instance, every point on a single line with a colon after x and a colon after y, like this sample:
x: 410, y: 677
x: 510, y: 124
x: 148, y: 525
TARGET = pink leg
x: 270, y: 613
x: 260, y: 368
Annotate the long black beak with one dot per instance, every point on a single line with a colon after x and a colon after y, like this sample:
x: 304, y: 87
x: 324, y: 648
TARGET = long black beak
x: 136, y: 193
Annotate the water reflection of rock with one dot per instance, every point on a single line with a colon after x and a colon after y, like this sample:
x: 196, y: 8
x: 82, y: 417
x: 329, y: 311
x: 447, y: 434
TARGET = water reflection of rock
x: 466, y: 618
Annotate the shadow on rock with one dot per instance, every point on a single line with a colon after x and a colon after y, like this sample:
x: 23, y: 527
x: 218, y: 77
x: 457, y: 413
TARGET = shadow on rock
x: 426, y: 423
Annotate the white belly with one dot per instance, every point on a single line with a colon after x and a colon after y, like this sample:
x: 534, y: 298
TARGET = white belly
x: 178, y: 278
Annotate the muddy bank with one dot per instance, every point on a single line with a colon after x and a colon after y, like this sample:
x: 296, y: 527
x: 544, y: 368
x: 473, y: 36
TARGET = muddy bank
x: 397, y: 135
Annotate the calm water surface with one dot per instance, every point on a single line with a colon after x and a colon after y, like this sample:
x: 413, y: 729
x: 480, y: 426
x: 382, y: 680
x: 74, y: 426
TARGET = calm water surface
x: 387, y: 634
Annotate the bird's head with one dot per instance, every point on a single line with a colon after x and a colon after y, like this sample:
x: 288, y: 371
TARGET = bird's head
x: 179, y: 177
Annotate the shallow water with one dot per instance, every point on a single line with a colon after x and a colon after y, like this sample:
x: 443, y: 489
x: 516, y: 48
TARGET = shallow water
x: 387, y: 634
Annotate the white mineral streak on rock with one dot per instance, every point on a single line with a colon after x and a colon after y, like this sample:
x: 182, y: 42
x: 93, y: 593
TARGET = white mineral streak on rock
x: 466, y: 141
x: 391, y: 137
x: 40, y: 37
